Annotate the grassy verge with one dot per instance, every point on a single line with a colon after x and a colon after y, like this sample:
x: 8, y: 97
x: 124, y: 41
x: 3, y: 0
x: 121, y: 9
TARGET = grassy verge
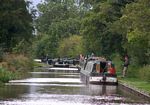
x: 137, y: 76
x: 137, y: 83
x: 38, y: 64
x: 6, y: 75
x: 14, y: 66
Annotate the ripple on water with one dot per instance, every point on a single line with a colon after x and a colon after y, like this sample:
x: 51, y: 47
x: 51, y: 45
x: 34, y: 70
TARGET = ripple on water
x: 55, y: 99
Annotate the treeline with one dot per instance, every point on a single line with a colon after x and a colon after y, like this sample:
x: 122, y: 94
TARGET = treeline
x: 16, y: 35
x: 104, y: 27
x: 108, y: 28
x: 58, y: 20
x: 67, y: 28
x: 15, y: 24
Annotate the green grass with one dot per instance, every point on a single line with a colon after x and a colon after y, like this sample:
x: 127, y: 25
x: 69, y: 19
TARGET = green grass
x: 137, y: 76
x: 137, y: 83
x: 6, y: 75
x: 36, y: 64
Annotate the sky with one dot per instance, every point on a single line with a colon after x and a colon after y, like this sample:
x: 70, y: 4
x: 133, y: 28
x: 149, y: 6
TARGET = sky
x: 35, y: 2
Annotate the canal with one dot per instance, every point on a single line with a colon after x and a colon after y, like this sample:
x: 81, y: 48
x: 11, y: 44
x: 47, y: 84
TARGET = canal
x: 61, y: 87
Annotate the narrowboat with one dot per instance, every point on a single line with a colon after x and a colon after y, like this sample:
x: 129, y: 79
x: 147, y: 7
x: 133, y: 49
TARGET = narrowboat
x: 97, y: 72
x: 58, y: 64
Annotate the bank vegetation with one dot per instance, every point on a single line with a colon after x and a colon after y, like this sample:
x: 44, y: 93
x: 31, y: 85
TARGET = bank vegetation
x: 16, y: 35
x: 108, y: 28
x: 67, y: 28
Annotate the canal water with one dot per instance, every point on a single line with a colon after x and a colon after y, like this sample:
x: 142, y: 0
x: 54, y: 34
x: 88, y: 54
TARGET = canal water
x: 61, y: 87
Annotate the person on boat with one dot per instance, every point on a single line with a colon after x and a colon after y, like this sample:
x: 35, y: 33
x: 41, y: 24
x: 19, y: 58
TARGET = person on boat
x: 81, y: 57
x: 111, y: 69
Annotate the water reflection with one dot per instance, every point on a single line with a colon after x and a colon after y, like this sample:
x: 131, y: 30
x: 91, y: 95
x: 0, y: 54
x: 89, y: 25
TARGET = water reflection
x: 59, y: 88
x: 102, y: 89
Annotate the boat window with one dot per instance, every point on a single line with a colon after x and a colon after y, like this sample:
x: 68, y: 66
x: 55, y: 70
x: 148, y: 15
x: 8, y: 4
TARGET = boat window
x: 85, y: 65
x: 103, y: 66
x: 89, y: 66
x: 96, y: 68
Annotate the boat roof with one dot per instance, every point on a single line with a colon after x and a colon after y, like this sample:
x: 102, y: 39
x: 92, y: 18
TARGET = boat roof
x: 97, y: 59
x: 96, y: 62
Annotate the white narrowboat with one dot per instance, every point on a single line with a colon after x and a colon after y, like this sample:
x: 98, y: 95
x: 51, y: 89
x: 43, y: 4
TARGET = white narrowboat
x: 96, y: 72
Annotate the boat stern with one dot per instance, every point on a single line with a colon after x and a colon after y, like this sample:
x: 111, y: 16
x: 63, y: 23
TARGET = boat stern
x: 103, y: 80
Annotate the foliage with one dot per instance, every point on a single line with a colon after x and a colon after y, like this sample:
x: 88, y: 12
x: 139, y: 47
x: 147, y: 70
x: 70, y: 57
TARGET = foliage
x: 23, y: 47
x: 136, y: 23
x: 70, y: 47
x: 133, y: 71
x: 45, y: 46
x: 97, y: 29
x: 109, y: 28
x: 144, y: 73
x: 139, y: 72
x: 14, y: 66
x: 14, y: 62
x: 57, y: 20
x: 5, y: 75
x: 54, y: 11
x: 16, y: 33
x: 15, y: 23
x: 116, y: 59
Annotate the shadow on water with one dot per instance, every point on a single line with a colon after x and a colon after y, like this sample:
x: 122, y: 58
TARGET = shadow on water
x: 61, y: 88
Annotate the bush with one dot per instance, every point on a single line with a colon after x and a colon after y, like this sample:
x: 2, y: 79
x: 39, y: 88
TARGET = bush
x: 14, y: 66
x: 144, y: 73
x: 15, y: 62
x: 132, y: 71
x: 6, y: 75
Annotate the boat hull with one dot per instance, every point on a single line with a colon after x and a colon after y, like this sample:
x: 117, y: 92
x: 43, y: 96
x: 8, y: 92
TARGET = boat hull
x: 61, y: 65
x: 100, y: 79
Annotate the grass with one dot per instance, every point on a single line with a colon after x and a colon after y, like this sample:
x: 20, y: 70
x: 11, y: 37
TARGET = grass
x: 137, y: 77
x: 137, y: 83
x: 37, y: 64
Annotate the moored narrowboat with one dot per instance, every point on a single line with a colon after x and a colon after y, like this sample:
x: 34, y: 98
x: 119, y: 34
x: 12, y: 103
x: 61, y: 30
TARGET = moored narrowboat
x: 98, y: 72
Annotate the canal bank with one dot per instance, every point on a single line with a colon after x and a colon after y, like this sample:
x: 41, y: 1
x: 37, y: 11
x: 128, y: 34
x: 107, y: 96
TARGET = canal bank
x: 133, y: 91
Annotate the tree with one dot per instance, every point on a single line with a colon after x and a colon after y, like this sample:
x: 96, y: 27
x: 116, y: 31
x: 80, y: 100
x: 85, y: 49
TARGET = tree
x: 97, y: 34
x: 70, y: 47
x: 58, y: 20
x: 136, y: 23
x: 15, y: 23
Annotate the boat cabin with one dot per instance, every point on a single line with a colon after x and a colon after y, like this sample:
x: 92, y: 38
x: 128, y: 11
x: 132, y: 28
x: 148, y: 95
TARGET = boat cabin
x: 99, y: 67
x: 97, y: 72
